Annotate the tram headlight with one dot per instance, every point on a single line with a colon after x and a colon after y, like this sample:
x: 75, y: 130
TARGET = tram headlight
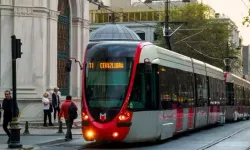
x: 90, y: 134
x: 115, y: 134
x: 84, y: 116
x: 126, y: 115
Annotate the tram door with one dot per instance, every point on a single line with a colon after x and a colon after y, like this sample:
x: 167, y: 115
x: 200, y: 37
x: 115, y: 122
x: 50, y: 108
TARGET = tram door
x: 151, y: 96
x: 145, y: 118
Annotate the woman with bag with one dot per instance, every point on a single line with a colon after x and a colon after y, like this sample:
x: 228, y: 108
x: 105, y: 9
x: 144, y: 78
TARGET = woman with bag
x: 47, y: 109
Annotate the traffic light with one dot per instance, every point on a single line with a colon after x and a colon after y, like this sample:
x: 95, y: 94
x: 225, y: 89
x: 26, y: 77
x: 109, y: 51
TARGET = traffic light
x: 18, y: 48
x: 16, y: 45
x: 68, y: 66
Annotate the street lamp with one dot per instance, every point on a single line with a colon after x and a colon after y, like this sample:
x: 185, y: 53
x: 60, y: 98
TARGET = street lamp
x: 227, y: 62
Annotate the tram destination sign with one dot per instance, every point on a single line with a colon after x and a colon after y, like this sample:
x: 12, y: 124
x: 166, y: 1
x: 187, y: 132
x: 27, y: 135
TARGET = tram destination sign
x: 106, y: 65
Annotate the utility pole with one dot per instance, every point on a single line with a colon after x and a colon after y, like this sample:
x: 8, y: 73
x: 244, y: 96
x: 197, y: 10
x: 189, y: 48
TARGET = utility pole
x: 227, y: 63
x: 167, y: 37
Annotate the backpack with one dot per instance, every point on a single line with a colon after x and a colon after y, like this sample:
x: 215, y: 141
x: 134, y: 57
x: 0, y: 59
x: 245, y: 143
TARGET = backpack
x: 72, y: 111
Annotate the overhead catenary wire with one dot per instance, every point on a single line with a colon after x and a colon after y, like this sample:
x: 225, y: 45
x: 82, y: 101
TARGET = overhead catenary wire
x: 183, y: 40
x: 155, y: 27
x: 188, y: 37
x: 202, y: 53
x: 245, y: 4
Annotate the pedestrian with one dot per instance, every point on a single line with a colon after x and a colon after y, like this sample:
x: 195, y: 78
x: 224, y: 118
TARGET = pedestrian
x: 47, y: 109
x: 7, y: 107
x: 69, y: 111
x: 56, y: 102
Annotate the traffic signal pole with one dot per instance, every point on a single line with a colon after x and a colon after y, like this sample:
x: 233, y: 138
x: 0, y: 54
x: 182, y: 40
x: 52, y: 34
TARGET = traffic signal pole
x: 14, y: 128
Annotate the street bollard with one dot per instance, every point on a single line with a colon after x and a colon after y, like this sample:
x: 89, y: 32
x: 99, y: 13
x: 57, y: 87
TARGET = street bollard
x: 26, y: 131
x: 60, y: 127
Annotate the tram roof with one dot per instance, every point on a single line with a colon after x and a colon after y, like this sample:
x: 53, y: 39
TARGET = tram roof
x: 232, y: 78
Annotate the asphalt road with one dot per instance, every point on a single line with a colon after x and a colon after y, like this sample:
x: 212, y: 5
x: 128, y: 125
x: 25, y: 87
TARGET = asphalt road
x: 234, y: 136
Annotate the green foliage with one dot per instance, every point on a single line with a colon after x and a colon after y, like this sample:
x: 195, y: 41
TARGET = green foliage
x: 208, y: 42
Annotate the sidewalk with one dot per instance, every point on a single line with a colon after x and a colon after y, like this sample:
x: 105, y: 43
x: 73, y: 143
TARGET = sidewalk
x: 35, y: 142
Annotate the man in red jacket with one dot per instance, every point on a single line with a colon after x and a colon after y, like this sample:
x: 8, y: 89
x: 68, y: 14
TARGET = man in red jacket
x: 68, y: 120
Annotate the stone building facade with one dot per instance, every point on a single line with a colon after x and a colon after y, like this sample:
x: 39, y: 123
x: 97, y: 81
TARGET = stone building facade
x: 51, y: 31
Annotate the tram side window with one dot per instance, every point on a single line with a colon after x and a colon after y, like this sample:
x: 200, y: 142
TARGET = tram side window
x: 202, y: 90
x: 190, y: 90
x: 185, y: 89
x: 176, y: 88
x: 181, y: 89
x: 236, y: 95
x: 230, y: 94
x: 212, y: 85
x: 248, y: 98
x: 244, y: 97
x: 241, y: 96
x: 222, y: 93
x: 215, y: 91
x: 138, y: 94
x: 167, y: 79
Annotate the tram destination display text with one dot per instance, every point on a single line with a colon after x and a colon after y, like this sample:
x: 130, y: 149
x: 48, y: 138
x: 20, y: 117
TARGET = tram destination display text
x: 106, y: 65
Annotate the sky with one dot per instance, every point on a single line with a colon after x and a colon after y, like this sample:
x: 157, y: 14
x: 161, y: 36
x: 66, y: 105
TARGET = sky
x: 235, y: 10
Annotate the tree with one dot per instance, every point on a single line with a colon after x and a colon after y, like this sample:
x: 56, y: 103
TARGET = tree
x: 204, y: 37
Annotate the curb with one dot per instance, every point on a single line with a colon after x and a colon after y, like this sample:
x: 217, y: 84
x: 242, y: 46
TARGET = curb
x: 51, y: 142
x: 24, y: 147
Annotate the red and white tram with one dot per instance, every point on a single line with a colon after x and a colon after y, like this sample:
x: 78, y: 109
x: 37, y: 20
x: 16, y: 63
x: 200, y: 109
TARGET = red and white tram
x: 238, y: 92
x: 136, y: 91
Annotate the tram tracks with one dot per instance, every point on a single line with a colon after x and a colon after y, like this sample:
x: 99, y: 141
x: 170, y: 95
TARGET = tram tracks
x: 223, y: 139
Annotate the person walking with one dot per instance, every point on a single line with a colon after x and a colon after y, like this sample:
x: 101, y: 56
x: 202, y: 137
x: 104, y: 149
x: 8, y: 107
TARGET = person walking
x: 56, y: 102
x: 69, y: 111
x: 47, y: 109
x: 7, y: 107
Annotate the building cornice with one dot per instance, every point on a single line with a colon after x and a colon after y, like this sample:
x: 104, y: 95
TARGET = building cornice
x: 22, y: 11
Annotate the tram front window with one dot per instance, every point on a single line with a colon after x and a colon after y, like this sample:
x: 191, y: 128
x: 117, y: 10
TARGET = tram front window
x: 107, y: 82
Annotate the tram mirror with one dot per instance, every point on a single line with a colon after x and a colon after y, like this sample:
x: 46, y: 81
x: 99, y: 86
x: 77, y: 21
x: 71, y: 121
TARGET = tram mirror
x: 148, y: 66
x: 68, y: 66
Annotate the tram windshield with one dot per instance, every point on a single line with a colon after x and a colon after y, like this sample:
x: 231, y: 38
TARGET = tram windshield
x: 107, y: 79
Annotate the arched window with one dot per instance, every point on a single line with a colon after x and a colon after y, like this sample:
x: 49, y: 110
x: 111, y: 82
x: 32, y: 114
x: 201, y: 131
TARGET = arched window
x: 63, y: 46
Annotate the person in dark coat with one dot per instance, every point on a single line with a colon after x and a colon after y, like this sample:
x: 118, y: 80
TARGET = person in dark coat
x: 56, y: 102
x: 8, y: 109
